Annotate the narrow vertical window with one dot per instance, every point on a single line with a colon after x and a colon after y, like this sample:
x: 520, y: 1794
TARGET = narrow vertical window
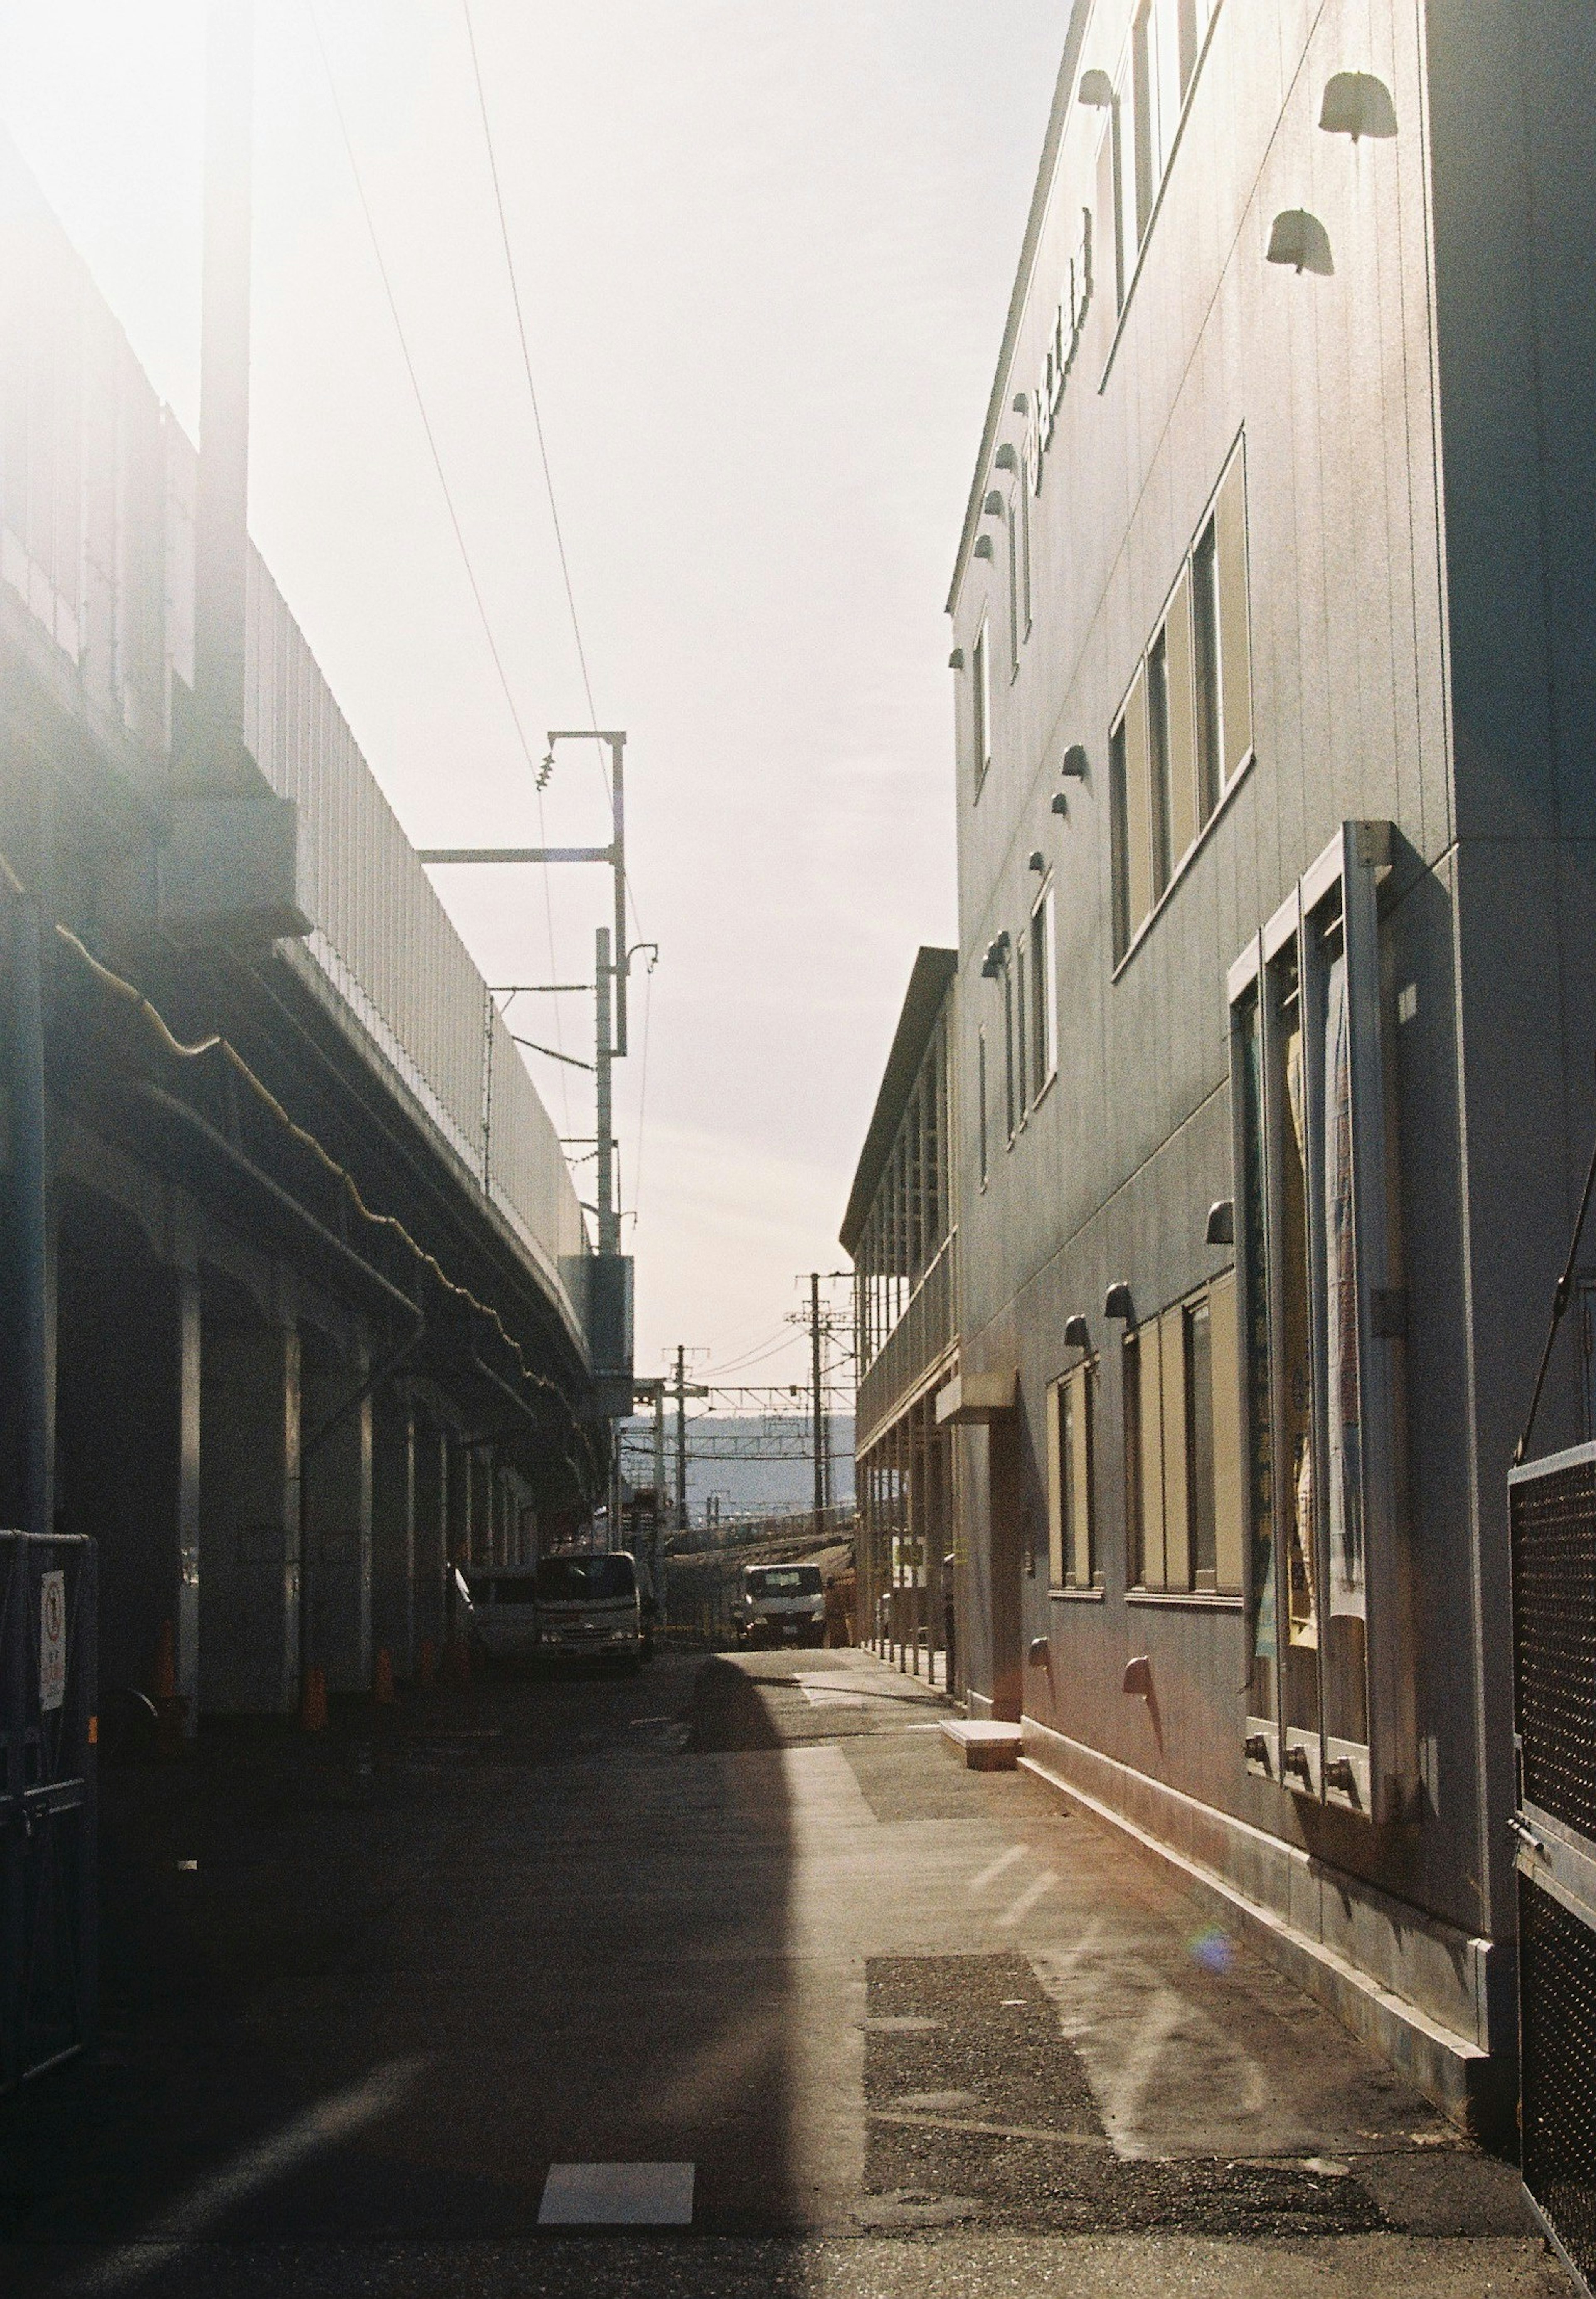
x: 1045, y: 994
x: 1013, y: 532
x: 1144, y: 113
x: 1076, y: 1439
x: 1187, y: 816
x: 981, y: 1100
x: 1205, y: 647
x: 1021, y: 1036
x: 1200, y: 1446
x: 1118, y: 836
x: 1011, y: 1112
x: 1025, y: 485
x: 1158, y: 761
x: 1135, y: 1528
x: 981, y: 704
x: 1235, y: 635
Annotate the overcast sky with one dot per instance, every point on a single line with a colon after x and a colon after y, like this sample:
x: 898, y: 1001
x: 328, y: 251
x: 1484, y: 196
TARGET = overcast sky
x: 765, y: 248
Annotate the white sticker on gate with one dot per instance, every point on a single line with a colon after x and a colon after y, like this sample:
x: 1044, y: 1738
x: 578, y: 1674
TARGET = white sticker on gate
x: 52, y: 1639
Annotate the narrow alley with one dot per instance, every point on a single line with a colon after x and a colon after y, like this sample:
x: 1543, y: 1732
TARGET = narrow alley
x: 730, y: 1977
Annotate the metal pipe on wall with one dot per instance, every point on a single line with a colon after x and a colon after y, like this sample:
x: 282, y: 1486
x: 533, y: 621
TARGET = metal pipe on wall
x: 29, y: 1211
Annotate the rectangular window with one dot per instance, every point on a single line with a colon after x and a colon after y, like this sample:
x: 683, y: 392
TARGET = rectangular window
x: 981, y: 1100
x: 1072, y: 1546
x: 1185, y: 731
x: 1144, y: 1455
x: 1021, y: 1035
x: 1331, y: 1675
x: 1110, y: 237
x: 981, y: 704
x: 1044, y: 994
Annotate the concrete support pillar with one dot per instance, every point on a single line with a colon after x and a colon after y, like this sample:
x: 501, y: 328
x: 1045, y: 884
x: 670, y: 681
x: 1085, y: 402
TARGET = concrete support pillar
x: 337, y: 1520
x: 249, y: 1517
x: 394, y: 1530
x: 190, y: 1379
x: 431, y: 1457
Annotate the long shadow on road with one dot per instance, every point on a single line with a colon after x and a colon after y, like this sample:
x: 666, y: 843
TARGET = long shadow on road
x: 365, y: 1990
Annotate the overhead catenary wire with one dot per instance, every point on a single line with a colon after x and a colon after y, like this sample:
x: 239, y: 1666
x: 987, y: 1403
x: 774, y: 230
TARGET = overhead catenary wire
x: 443, y: 479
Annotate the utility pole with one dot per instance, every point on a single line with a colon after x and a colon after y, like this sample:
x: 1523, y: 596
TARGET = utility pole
x: 820, y: 1398
x: 681, y: 1438
x: 609, y: 1219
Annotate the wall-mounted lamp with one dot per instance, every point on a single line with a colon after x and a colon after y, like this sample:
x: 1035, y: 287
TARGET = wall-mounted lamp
x: 983, y: 549
x: 994, y: 504
x: 956, y: 659
x: 1096, y: 90
x: 1220, y: 1229
x: 1116, y: 1303
x: 1006, y: 459
x: 1074, y: 767
x: 1036, y: 860
x: 1077, y: 1333
x: 1039, y: 1653
x: 1021, y: 403
x: 992, y: 965
x: 1357, y: 104
x: 1300, y: 240
x: 1061, y: 803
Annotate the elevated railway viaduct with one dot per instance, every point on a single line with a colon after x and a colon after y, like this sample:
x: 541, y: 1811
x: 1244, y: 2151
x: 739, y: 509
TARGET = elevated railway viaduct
x: 298, y: 1285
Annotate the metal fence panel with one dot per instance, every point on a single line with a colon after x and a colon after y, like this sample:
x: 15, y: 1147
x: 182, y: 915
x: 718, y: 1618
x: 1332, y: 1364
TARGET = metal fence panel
x: 1553, y: 1514
x: 48, y: 1946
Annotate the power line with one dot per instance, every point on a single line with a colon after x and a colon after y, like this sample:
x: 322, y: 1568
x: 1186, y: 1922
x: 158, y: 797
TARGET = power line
x: 438, y: 465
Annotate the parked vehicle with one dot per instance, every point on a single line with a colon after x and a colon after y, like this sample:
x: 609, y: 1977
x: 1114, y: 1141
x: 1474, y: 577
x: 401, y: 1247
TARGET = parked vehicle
x: 501, y: 1611
x: 591, y: 1607
x: 781, y: 1604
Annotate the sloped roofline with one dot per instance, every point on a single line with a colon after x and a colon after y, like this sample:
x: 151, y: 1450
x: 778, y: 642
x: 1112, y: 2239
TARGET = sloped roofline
x: 1063, y: 90
x: 928, y: 985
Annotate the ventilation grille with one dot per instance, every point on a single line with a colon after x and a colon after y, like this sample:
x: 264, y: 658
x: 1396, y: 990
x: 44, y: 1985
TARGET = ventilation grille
x: 1557, y: 2010
x: 1554, y: 1625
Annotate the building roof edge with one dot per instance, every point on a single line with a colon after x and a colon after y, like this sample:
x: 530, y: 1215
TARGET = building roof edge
x: 933, y: 973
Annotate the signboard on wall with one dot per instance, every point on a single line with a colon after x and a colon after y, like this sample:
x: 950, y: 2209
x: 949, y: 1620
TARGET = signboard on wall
x: 52, y: 1639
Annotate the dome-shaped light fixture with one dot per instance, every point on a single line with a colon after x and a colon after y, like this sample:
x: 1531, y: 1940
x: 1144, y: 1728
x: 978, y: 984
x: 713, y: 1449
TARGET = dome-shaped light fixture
x: 1117, y: 1304
x: 956, y: 659
x: 994, y: 504
x: 1074, y: 769
x: 1077, y: 1333
x: 1300, y: 240
x: 1096, y: 90
x: 983, y: 547
x: 1061, y: 803
x: 1006, y: 459
x: 1356, y: 103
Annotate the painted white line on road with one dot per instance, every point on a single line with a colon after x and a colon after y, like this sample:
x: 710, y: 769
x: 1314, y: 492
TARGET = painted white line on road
x: 990, y: 1875
x: 617, y: 2195
x: 1026, y: 1901
x: 198, y: 2213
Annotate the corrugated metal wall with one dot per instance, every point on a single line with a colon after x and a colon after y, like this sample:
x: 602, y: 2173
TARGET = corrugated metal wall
x: 96, y: 544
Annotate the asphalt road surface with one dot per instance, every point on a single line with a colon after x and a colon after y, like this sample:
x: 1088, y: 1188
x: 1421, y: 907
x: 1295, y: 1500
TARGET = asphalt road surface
x: 724, y: 1979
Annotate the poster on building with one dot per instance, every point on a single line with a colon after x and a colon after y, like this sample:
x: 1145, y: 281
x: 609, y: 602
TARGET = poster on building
x: 52, y: 1639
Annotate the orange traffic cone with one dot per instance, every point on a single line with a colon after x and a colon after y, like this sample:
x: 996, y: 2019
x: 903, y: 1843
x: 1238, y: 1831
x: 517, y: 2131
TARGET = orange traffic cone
x: 426, y: 1668
x: 382, y: 1691
x: 312, y: 1705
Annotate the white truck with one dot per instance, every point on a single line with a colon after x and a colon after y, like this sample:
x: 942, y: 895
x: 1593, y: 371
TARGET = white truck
x: 781, y: 1604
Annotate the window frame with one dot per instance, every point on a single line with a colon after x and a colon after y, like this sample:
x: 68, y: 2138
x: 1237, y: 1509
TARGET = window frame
x: 1075, y: 1564
x: 1376, y: 1779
